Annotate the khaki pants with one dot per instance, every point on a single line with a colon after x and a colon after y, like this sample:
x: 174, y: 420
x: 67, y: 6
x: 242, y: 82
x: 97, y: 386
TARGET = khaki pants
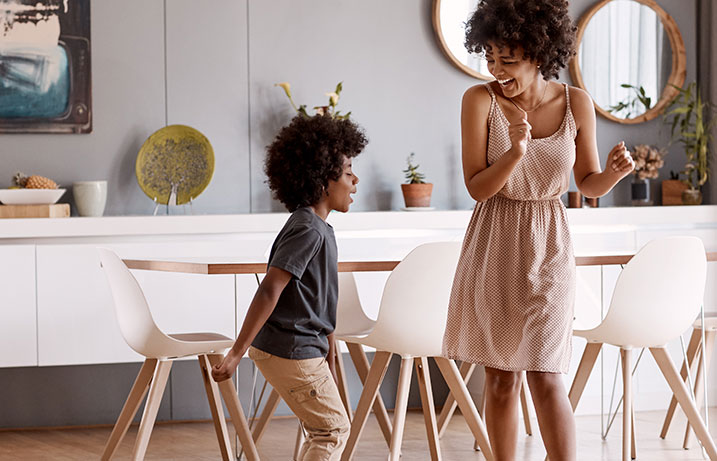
x: 308, y: 387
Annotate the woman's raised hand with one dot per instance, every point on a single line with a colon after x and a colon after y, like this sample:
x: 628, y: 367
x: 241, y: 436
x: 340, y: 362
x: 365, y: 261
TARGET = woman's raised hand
x: 619, y: 160
x: 519, y: 132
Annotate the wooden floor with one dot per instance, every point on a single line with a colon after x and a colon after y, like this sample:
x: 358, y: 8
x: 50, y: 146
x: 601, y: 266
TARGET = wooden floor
x: 196, y: 441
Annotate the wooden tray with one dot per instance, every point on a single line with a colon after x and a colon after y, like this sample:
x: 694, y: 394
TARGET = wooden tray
x: 57, y: 210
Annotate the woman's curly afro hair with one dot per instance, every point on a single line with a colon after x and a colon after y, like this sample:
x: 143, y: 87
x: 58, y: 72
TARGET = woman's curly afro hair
x: 307, y: 154
x: 542, y: 28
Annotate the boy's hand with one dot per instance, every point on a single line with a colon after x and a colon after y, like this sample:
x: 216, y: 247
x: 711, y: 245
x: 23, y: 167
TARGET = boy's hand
x: 226, y: 368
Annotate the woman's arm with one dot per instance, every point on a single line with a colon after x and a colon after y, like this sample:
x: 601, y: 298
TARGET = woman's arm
x: 259, y: 311
x: 591, y: 181
x: 483, y: 181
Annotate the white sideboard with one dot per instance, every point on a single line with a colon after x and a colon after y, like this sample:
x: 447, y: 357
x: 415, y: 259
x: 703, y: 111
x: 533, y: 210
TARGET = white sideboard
x: 18, y: 306
x: 56, y: 307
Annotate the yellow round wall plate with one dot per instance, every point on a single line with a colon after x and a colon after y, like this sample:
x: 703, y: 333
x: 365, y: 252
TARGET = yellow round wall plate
x: 176, y: 155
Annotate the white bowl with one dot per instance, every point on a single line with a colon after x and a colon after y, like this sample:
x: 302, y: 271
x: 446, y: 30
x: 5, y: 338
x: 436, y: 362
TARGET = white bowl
x: 30, y: 196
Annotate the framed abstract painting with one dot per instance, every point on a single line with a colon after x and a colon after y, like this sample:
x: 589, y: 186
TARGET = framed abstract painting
x: 45, y: 66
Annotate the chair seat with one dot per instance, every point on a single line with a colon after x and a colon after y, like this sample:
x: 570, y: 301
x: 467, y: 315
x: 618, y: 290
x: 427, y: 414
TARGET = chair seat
x: 359, y: 327
x: 425, y: 349
x: 199, y: 337
x: 710, y: 322
x: 185, y: 344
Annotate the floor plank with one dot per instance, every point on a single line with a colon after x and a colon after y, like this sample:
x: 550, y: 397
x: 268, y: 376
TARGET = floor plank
x: 197, y: 441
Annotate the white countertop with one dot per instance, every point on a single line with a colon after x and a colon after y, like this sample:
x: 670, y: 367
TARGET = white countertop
x: 581, y: 220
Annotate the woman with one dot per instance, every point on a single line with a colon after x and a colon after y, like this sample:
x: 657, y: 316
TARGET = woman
x: 511, y: 306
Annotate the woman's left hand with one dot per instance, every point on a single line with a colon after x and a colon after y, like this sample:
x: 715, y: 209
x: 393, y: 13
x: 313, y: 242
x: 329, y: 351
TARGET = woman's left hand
x: 619, y: 160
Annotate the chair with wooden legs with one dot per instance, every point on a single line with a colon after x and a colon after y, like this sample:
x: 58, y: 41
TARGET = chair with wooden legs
x: 160, y: 350
x: 694, y: 363
x: 656, y: 298
x: 351, y: 320
x: 411, y: 321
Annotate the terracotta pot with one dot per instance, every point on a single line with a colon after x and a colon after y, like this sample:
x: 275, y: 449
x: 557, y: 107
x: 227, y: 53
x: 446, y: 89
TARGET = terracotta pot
x: 692, y: 197
x: 417, y: 195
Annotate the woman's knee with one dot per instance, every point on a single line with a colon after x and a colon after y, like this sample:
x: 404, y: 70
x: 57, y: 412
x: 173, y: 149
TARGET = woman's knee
x: 501, y: 383
x: 545, y: 384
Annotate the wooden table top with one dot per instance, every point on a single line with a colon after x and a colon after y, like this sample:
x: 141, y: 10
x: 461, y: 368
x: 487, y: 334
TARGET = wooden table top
x: 199, y: 266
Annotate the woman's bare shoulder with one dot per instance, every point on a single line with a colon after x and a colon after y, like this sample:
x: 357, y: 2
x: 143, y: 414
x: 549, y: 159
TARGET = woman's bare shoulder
x: 580, y: 99
x: 477, y: 95
x: 582, y: 106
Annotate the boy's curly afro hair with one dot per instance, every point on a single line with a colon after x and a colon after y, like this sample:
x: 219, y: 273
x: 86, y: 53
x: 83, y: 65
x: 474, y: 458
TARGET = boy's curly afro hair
x: 542, y: 28
x: 307, y: 154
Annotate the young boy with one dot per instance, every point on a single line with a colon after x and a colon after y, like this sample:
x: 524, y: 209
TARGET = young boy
x: 292, y: 317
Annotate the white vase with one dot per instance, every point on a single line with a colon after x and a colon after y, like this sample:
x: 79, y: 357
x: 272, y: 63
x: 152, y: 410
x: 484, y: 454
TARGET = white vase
x: 90, y: 197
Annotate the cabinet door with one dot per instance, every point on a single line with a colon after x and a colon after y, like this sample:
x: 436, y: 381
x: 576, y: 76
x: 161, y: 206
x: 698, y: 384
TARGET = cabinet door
x: 76, y: 319
x: 18, y: 309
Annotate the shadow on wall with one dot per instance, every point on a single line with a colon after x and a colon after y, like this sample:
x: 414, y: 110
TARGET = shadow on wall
x: 382, y: 193
x: 454, y: 177
x: 125, y: 179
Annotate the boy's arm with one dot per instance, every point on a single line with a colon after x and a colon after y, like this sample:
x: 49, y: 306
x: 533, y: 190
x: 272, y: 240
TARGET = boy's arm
x: 259, y: 311
x: 331, y: 358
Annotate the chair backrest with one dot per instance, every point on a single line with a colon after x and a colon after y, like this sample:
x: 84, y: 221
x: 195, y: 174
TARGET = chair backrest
x: 658, y: 294
x: 131, y: 309
x: 350, y: 316
x: 414, y: 305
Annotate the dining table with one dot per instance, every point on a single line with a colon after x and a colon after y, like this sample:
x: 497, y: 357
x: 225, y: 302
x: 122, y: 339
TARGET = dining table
x: 236, y: 266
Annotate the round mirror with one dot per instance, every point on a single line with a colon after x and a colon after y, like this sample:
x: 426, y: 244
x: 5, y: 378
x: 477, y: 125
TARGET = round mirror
x: 449, y: 23
x: 630, y: 53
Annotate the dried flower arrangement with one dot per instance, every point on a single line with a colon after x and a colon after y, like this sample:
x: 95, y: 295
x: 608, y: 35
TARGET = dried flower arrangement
x: 648, y: 161
x: 329, y: 109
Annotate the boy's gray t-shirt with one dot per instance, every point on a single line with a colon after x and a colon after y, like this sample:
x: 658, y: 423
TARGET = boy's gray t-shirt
x: 306, y: 311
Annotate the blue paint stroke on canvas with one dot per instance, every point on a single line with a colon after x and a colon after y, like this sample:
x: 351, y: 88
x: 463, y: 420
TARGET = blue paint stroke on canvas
x: 34, y: 82
x: 34, y: 65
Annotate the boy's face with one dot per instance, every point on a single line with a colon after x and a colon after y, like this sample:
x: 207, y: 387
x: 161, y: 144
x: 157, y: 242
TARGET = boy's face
x: 339, y: 191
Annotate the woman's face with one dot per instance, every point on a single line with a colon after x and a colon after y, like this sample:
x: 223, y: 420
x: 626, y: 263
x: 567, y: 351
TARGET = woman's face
x: 513, y: 73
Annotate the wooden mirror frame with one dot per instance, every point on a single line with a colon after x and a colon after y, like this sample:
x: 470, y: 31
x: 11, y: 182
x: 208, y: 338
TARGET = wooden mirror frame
x: 679, y: 62
x: 447, y: 51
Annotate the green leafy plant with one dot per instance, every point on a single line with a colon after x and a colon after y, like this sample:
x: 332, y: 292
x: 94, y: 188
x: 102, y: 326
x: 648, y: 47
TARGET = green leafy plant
x: 413, y: 176
x: 691, y: 120
x: 329, y: 109
x: 632, y: 103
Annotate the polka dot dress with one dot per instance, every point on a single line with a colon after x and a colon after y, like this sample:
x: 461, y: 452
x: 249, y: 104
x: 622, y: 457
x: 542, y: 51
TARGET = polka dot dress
x: 511, y: 305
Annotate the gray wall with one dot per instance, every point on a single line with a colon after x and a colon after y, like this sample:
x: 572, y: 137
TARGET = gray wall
x: 158, y: 62
x: 161, y: 62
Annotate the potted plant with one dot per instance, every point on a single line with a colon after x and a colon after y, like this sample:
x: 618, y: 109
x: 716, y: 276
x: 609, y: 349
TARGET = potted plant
x: 416, y: 191
x: 329, y: 109
x: 691, y: 120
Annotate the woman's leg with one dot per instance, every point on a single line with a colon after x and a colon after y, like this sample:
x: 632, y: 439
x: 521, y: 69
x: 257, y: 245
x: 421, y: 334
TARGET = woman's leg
x: 555, y: 415
x: 501, y: 418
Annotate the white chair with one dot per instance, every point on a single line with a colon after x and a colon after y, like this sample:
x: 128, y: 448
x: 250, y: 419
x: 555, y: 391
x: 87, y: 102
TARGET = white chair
x: 351, y: 320
x: 142, y: 334
x: 656, y: 298
x: 694, y: 362
x: 411, y: 322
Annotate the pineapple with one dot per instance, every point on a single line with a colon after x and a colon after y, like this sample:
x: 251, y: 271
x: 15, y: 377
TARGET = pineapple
x: 19, y: 180
x: 33, y: 182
